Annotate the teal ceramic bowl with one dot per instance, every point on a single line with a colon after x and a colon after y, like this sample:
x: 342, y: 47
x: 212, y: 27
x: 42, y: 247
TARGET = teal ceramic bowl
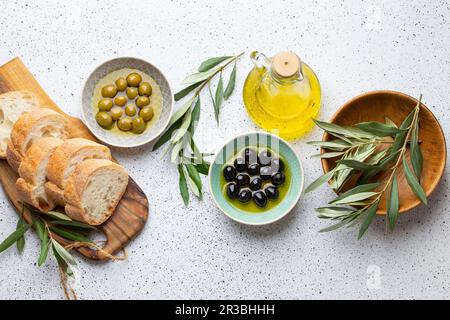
x: 285, y: 205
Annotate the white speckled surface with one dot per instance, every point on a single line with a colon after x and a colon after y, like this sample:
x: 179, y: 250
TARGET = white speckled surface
x: 197, y: 252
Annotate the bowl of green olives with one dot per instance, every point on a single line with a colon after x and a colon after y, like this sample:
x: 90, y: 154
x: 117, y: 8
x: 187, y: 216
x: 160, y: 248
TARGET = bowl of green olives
x: 256, y: 178
x: 127, y: 102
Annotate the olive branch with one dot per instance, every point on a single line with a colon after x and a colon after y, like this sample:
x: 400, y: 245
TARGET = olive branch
x: 365, y: 150
x: 180, y: 131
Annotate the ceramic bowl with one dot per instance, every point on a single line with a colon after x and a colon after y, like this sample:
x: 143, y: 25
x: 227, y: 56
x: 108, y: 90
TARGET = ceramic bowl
x: 376, y: 106
x: 126, y: 140
x: 285, y: 205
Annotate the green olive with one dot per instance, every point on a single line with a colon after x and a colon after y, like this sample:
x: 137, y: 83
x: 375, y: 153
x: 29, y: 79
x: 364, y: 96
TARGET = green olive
x: 104, y: 119
x: 145, y: 89
x: 124, y: 124
x: 134, y: 79
x: 120, y: 101
x: 116, y: 113
x: 138, y: 125
x: 132, y: 93
x: 121, y: 84
x: 105, y: 104
x: 142, y: 101
x: 146, y: 113
x: 109, y: 91
x: 130, y: 110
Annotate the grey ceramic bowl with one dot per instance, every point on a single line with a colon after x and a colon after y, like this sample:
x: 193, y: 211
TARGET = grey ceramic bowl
x: 128, y: 140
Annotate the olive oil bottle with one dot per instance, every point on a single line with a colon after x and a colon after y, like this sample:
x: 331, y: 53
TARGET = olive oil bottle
x: 282, y: 94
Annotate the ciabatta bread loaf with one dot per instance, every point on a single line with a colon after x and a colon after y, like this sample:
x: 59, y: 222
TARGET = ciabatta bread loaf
x: 64, y: 160
x: 94, y: 189
x: 12, y: 105
x: 32, y: 171
x: 33, y: 125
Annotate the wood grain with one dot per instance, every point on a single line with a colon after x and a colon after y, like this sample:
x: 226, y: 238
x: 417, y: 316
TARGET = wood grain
x: 376, y: 106
x: 131, y: 213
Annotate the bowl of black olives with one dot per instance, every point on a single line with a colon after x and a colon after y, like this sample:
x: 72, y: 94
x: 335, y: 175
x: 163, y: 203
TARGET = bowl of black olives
x: 256, y: 178
x: 127, y: 102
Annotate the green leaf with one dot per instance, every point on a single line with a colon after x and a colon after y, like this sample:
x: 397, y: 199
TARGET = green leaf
x: 319, y: 181
x: 333, y: 212
x: 181, y: 132
x: 211, y: 63
x: 389, y: 122
x: 63, y: 253
x: 354, y: 197
x: 231, y: 84
x: 369, y: 214
x: 413, y: 183
x: 327, y: 155
x: 184, y: 92
x: 336, y: 145
x: 13, y: 237
x: 191, y: 183
x: 20, y: 243
x: 40, y: 228
x: 216, y: 109
x: 70, y: 235
x: 357, y: 189
x: 45, y: 245
x: 195, y: 117
x: 177, y: 148
x: 393, y: 203
x: 181, y: 112
x: 167, y: 135
x: 219, y: 93
x: 183, y: 185
x: 198, y: 77
x: 76, y: 224
x: 58, y: 215
x: 334, y: 226
x: 358, y: 165
x: 416, y: 153
x: 378, y: 128
x: 345, y: 131
x: 193, y: 173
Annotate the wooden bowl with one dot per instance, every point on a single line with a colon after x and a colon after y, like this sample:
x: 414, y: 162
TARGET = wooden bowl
x: 376, y: 106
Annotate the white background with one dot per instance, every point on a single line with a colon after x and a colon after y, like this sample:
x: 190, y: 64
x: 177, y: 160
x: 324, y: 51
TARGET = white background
x: 197, y: 252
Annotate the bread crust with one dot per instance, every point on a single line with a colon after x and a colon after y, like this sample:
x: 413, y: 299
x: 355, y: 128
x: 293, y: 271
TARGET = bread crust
x: 27, y: 120
x: 77, y: 183
x: 54, y: 193
x: 13, y: 157
x: 62, y: 155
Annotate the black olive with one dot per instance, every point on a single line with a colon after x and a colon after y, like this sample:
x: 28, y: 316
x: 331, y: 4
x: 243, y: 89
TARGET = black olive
x: 253, y: 169
x: 260, y: 198
x: 240, y: 165
x: 255, y: 183
x: 272, y: 192
x: 265, y: 157
x: 250, y: 155
x: 229, y: 173
x: 278, y: 178
x: 278, y: 165
x: 265, y: 173
x: 232, y: 190
x: 242, y: 179
x: 244, y: 195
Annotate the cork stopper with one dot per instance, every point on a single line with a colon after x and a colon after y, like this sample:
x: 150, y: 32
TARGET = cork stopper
x: 286, y: 64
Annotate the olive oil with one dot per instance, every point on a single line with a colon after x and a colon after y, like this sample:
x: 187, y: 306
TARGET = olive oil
x: 282, y: 99
x: 250, y: 206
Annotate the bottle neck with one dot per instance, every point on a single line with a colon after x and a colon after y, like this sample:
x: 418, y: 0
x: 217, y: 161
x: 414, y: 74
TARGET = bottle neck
x: 296, y: 77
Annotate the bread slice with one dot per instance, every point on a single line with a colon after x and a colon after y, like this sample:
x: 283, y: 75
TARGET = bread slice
x: 13, y: 157
x: 33, y: 125
x: 94, y: 189
x: 12, y: 105
x: 33, y: 170
x: 64, y: 160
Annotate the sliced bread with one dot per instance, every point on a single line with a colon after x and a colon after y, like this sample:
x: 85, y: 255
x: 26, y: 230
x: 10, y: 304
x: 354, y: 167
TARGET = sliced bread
x: 94, y: 189
x: 30, y: 126
x: 12, y: 105
x: 64, y: 159
x: 32, y: 171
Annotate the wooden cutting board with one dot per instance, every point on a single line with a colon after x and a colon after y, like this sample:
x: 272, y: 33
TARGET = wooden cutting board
x: 131, y: 213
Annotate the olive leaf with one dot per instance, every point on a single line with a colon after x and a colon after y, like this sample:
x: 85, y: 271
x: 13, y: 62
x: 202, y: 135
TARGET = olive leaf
x: 219, y: 96
x: 231, y: 84
x: 183, y: 185
x: 76, y: 224
x: 180, y: 133
x: 191, y: 183
x: 20, y: 243
x: 333, y: 212
x: 184, y: 92
x: 334, y: 226
x: 319, y: 181
x: 167, y: 135
x: 336, y: 145
x: 70, y: 235
x: 13, y: 237
x: 392, y: 204
x: 355, y: 190
x: 45, y: 245
x: 194, y: 175
x: 327, y: 155
x: 416, y: 153
x: 379, y: 129
x: 369, y: 214
x: 58, y: 215
x: 195, y: 117
x: 413, y: 183
x: 389, y: 122
x: 353, y: 198
x: 199, y: 77
x: 358, y: 165
x: 63, y: 253
x: 211, y: 63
